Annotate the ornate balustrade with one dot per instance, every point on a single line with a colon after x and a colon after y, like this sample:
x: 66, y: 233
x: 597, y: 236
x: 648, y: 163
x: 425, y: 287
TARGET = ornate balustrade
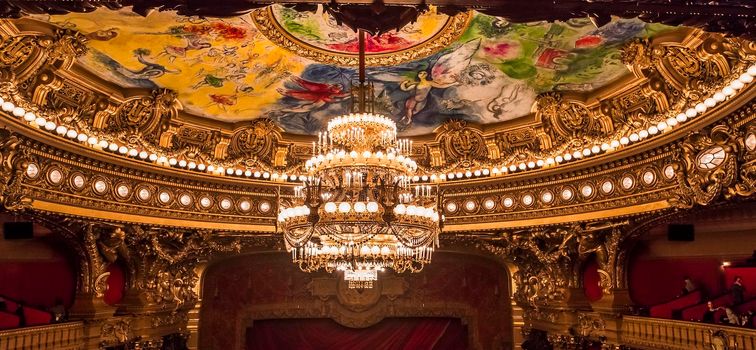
x: 65, y: 336
x: 653, y: 333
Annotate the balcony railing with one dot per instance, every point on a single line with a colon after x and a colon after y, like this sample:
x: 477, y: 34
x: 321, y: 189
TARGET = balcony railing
x: 63, y: 336
x: 654, y: 333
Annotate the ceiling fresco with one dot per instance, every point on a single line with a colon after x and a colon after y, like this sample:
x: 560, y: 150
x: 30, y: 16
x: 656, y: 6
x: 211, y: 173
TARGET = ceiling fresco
x: 228, y: 69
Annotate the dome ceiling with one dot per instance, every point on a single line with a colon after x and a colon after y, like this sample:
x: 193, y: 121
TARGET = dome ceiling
x: 295, y: 68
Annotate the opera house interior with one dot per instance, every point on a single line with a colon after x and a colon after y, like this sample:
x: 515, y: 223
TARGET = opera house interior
x: 377, y: 174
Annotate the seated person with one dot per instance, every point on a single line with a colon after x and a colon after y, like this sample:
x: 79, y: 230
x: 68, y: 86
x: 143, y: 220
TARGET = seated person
x: 708, y: 316
x: 688, y: 286
x: 58, y: 311
x: 737, y: 290
x: 746, y: 318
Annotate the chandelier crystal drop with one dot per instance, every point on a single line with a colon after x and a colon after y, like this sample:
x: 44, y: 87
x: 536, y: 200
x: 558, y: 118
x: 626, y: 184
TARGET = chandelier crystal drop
x: 357, y: 210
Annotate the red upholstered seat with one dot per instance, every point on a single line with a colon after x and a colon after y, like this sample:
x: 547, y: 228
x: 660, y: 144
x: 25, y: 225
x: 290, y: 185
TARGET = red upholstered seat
x: 34, y: 317
x: 10, y: 306
x: 8, y: 320
x: 667, y: 309
x: 695, y: 312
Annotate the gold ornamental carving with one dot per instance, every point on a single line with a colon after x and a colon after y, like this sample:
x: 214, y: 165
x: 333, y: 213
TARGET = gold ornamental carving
x: 13, y: 163
x: 145, y: 117
x: 265, y: 21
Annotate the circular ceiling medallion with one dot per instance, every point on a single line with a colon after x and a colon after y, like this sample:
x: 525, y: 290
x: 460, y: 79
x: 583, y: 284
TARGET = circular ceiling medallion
x: 122, y: 191
x: 32, y: 170
x: 607, y: 187
x: 100, y: 186
x: 669, y: 171
x: 586, y: 190
x: 78, y: 181
x: 470, y: 205
x: 567, y: 194
x: 649, y: 177
x: 451, y: 207
x: 205, y: 202
x: 489, y: 204
x: 185, y: 199
x: 508, y: 202
x: 627, y: 182
x: 225, y: 204
x: 164, y: 197
x: 527, y: 200
x: 144, y: 194
x: 55, y: 176
x: 245, y: 206
x: 547, y: 197
x: 264, y: 206
x: 317, y: 36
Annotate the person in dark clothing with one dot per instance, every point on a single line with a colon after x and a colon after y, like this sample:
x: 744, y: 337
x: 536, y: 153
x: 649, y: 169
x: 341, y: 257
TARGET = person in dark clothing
x: 3, y: 304
x: 708, y: 316
x: 20, y: 314
x: 738, y: 291
x: 58, y: 311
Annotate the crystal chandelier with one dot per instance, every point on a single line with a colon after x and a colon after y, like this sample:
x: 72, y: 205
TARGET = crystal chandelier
x: 357, y: 211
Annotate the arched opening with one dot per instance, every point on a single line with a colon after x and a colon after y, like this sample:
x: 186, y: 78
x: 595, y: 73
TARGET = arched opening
x: 466, y: 295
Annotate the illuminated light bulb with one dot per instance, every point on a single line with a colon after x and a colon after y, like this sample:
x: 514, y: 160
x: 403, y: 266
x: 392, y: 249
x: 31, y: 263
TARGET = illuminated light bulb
x: 211, y: 168
x: 634, y: 137
x: 728, y: 91
x: 522, y: 166
x: 512, y: 168
x: 50, y: 126
x: 415, y: 178
x: 752, y: 70
x: 202, y: 167
x: 191, y: 165
x: 411, y: 210
x: 486, y: 172
x: 143, y: 155
x: 531, y: 164
x: 681, y: 118
x: 614, y: 144
x: 719, y: 97
x: 495, y: 171
x: 577, y: 154
x: 330, y: 207
x: 642, y: 134
x: 442, y: 177
x: 587, y: 152
x: 550, y: 160
x: 40, y: 121
x: 133, y: 153
x: 366, y: 154
x: 247, y: 173
x: 153, y: 157
x: 605, y: 146
x: 266, y: 175
x: 624, y: 140
x: 172, y: 161
x: 710, y: 102
x: 653, y: 130
x: 700, y: 108
x: 558, y: 159
x: 661, y: 126
x: 597, y: 149
x: 257, y: 174
x: 123, y: 150
x: 30, y: 117
x: 61, y: 130
x: 162, y: 160
x: 113, y: 147
x: 103, y: 144
x: 19, y: 112
x: 238, y: 172
x: 671, y: 121
x: 745, y: 78
x: 344, y: 207
x: 8, y: 106
x: 352, y: 154
x: 691, y: 112
x: 434, y: 177
x: 82, y: 137
x: 736, y: 85
x: 92, y: 140
x: 360, y: 207
x: 372, y: 207
x: 182, y: 163
x: 424, y: 178
x: 459, y: 175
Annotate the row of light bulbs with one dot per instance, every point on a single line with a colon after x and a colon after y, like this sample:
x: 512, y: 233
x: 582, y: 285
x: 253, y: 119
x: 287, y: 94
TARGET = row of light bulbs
x: 93, y: 141
x: 663, y: 126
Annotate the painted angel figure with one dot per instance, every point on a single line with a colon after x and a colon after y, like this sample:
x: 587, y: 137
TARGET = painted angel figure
x: 443, y: 74
x: 313, y: 95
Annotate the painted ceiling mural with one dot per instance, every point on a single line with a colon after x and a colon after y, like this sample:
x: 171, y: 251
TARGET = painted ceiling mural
x: 227, y: 69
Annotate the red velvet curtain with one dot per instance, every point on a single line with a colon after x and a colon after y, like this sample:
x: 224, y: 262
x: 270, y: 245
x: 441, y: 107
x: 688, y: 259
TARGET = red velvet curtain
x: 389, y: 334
